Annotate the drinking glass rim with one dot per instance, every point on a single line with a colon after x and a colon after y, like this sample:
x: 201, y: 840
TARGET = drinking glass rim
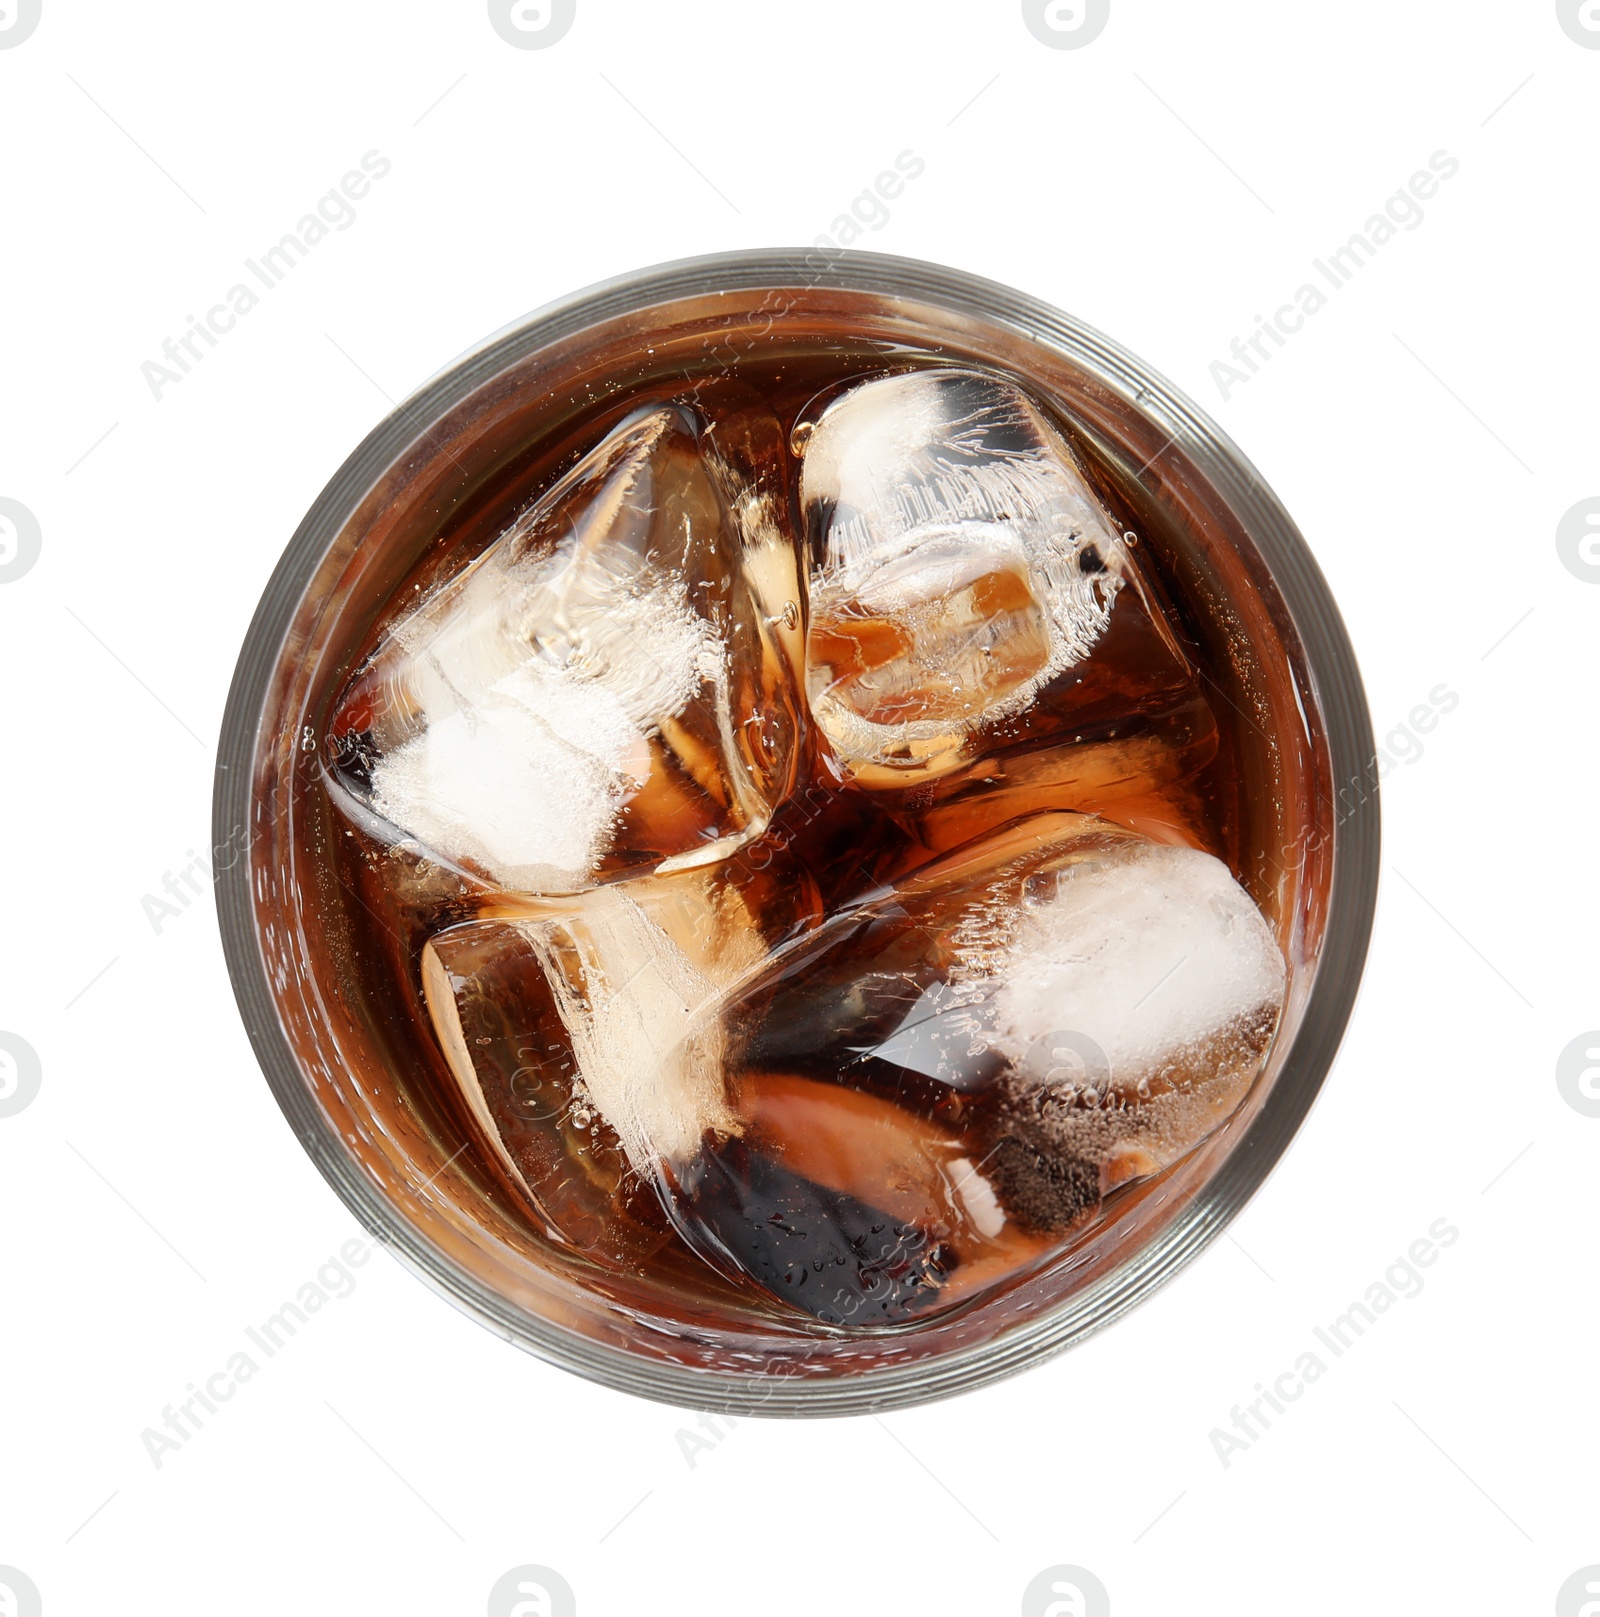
x: 1351, y: 898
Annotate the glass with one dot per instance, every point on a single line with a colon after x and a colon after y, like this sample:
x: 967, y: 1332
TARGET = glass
x: 351, y: 1053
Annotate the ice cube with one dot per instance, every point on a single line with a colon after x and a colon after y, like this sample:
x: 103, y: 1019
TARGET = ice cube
x: 960, y: 563
x: 585, y: 1037
x: 1083, y: 1003
x: 1168, y: 984
x: 501, y: 1034
x: 848, y: 1206
x: 612, y: 686
x: 827, y: 1252
x: 588, y: 1039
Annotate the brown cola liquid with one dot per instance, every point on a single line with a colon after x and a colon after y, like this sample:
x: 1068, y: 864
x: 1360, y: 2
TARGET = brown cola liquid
x: 1151, y: 735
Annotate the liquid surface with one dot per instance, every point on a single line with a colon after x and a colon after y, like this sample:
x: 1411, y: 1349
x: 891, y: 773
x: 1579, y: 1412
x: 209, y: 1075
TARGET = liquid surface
x: 805, y: 836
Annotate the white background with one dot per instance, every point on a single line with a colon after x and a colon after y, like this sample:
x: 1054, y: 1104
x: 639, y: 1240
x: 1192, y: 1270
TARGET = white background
x: 1167, y: 183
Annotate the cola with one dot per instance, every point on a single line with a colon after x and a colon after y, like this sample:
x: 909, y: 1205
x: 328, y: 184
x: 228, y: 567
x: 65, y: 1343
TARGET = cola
x: 804, y: 832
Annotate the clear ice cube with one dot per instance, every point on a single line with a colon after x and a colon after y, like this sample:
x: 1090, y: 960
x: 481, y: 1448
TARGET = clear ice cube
x: 585, y: 1035
x: 1087, y: 1003
x: 960, y: 563
x: 612, y: 686
x: 500, y: 1031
